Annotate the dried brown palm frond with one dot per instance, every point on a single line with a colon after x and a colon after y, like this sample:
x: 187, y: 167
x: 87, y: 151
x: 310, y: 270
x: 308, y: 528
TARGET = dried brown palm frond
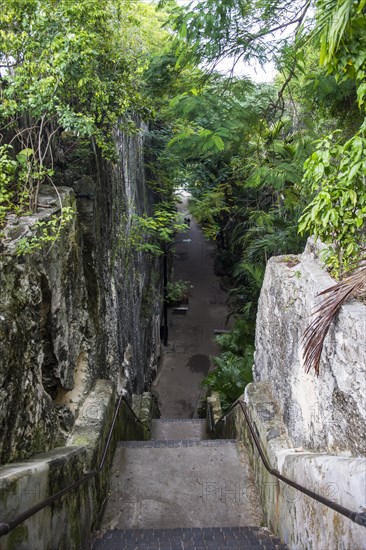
x: 336, y: 296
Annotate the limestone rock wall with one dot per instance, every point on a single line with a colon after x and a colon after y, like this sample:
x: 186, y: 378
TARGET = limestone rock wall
x: 87, y: 307
x: 300, y: 521
x: 67, y: 524
x: 310, y: 428
x: 321, y: 413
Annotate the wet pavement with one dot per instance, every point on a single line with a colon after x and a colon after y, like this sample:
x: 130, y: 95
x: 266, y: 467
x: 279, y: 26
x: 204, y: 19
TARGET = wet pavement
x: 187, y: 358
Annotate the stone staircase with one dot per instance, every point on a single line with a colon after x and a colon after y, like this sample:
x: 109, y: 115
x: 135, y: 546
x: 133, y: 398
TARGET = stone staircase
x: 179, y: 429
x: 182, y: 491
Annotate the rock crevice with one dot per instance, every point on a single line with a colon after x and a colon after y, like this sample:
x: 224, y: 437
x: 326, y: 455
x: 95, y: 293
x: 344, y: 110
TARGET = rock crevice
x: 71, y: 312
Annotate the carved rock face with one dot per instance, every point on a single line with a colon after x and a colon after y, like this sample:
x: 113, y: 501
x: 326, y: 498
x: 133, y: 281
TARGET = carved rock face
x: 325, y: 412
x: 69, y: 313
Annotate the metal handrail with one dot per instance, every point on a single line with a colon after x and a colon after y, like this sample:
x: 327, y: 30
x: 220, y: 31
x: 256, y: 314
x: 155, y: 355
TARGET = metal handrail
x: 137, y: 419
x: 357, y: 517
x: 7, y: 526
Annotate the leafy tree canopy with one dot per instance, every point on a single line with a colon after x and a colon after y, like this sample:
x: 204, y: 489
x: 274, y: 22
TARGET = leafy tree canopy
x: 71, y: 69
x: 237, y: 29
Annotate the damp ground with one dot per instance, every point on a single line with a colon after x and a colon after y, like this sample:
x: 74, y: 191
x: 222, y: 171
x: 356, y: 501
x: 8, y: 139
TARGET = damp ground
x: 187, y: 358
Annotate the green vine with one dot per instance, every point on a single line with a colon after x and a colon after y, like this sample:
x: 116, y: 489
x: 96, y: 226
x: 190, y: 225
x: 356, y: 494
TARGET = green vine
x: 337, y: 213
x: 150, y: 233
x: 46, y: 232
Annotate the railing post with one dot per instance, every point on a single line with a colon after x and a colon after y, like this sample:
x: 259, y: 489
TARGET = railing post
x: 165, y: 303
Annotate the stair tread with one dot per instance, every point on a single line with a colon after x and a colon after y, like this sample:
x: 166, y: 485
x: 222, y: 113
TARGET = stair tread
x: 176, y: 443
x: 208, y: 538
x: 174, y: 429
x: 179, y: 421
x: 168, y: 484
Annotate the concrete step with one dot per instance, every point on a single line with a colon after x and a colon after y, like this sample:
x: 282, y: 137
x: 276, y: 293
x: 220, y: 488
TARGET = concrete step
x: 175, y: 443
x: 165, y: 428
x: 167, y: 484
x: 234, y: 538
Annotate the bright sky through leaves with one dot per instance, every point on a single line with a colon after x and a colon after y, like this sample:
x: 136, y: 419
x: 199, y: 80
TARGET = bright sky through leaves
x: 254, y: 71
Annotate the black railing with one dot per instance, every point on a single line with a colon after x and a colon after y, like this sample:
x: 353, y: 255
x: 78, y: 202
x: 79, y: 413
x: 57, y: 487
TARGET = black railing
x: 356, y: 517
x: 5, y: 527
x: 10, y: 524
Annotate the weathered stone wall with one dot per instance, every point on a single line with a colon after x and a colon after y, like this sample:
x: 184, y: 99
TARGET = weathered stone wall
x: 299, y: 520
x: 302, y: 522
x: 87, y: 307
x: 321, y: 413
x: 43, y: 334
x: 68, y: 523
x: 311, y: 428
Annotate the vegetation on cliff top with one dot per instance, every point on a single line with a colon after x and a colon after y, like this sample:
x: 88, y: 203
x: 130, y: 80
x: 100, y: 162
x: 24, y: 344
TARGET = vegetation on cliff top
x: 71, y: 72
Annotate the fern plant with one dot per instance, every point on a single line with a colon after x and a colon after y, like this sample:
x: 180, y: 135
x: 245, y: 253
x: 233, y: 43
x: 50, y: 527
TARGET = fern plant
x: 231, y: 375
x: 233, y: 367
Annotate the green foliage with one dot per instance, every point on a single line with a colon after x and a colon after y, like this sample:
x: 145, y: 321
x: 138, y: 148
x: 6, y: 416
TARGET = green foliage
x: 210, y: 208
x: 325, y: 102
x: 177, y: 291
x: 337, y: 214
x: 149, y: 233
x: 213, y: 117
x: 341, y: 30
x: 233, y: 367
x: 272, y: 166
x: 46, y: 232
x: 248, y: 278
x: 72, y: 75
x: 8, y: 169
x: 336, y: 171
x: 230, y: 376
x: 234, y: 29
x: 267, y: 233
x: 278, y: 160
x: 239, y: 337
x: 14, y: 176
x: 71, y: 68
x: 200, y: 141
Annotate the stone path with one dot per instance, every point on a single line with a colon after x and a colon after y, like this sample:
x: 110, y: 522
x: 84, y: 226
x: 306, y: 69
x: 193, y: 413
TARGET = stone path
x: 186, y: 359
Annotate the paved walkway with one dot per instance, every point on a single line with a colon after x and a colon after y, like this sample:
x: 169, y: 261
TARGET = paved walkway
x: 187, y: 494
x: 186, y: 359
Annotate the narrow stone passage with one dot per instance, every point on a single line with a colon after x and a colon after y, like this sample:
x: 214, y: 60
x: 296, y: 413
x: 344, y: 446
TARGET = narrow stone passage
x: 186, y: 359
x: 181, y: 490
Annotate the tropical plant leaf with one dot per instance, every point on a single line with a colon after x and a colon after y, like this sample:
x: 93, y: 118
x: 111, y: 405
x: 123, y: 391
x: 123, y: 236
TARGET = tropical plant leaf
x: 336, y: 296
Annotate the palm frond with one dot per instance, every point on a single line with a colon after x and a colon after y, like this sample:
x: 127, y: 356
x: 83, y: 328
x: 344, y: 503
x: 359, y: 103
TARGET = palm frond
x: 336, y: 296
